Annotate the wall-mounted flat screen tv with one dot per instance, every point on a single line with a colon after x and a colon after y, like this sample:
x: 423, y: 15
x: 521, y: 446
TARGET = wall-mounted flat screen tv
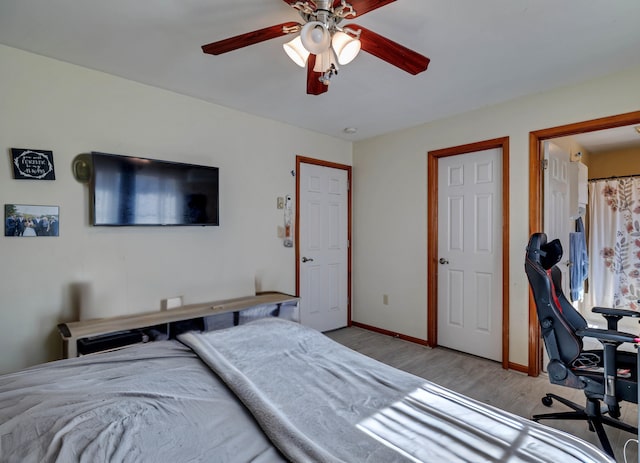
x: 130, y: 190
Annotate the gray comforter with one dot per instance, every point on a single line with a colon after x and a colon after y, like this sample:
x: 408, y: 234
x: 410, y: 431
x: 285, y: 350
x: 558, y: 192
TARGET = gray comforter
x: 302, y: 398
x: 319, y: 401
x: 153, y: 403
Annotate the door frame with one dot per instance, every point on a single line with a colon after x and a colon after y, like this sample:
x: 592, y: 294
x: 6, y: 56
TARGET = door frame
x: 334, y: 165
x: 432, y: 237
x: 536, y: 200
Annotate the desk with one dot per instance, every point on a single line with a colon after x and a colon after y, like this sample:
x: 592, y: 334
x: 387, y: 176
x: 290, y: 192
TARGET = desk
x: 75, y: 331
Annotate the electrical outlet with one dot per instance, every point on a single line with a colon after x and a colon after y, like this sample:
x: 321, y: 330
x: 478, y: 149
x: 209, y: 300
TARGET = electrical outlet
x: 280, y: 202
x: 385, y: 299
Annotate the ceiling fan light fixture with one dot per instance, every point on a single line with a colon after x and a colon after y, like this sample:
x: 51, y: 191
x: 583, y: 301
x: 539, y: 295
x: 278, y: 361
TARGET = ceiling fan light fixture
x: 315, y: 37
x: 345, y: 47
x: 324, y: 61
x: 321, y: 34
x: 297, y: 52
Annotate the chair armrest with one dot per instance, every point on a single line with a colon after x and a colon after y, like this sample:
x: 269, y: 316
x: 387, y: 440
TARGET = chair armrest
x: 610, y: 340
x: 609, y: 335
x: 613, y: 316
x: 616, y: 312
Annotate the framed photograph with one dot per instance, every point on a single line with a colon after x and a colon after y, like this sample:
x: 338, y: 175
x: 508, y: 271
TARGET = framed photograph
x: 30, y: 164
x: 22, y: 220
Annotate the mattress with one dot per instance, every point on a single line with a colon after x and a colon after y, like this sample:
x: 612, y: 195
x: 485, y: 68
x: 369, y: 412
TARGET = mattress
x: 267, y: 391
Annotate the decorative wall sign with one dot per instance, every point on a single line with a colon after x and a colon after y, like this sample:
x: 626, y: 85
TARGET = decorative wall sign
x: 29, y: 220
x: 31, y: 164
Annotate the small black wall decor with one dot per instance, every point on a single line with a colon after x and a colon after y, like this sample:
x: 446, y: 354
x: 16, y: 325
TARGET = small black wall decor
x: 30, y: 164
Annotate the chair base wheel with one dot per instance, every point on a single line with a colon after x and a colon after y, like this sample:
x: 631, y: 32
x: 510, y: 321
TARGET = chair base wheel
x: 591, y: 413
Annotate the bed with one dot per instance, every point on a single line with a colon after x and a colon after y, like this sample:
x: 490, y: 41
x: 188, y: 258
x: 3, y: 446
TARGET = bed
x: 266, y: 391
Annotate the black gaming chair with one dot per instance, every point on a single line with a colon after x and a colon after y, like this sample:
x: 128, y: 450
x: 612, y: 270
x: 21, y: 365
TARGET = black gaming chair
x: 605, y: 375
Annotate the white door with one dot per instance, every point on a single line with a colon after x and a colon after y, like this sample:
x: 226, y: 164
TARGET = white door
x: 323, y: 246
x: 470, y: 253
x: 557, y: 214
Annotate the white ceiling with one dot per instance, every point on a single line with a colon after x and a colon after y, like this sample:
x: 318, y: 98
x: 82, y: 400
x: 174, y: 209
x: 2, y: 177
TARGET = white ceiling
x: 602, y: 141
x: 482, y: 53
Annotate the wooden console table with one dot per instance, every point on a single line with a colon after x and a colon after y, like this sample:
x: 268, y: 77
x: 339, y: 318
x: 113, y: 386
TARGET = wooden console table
x: 75, y: 331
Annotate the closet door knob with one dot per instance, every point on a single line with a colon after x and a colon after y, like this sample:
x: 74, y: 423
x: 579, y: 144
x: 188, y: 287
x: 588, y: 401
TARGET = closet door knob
x: 443, y: 261
x: 305, y: 259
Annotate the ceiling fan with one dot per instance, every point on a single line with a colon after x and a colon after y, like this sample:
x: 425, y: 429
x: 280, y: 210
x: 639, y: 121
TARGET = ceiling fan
x: 323, y: 44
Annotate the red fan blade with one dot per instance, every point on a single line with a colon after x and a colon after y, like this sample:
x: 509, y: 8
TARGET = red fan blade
x: 364, y: 6
x: 250, y: 38
x: 314, y: 86
x: 391, y: 52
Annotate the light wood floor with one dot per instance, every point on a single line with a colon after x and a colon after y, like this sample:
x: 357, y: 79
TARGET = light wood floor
x: 486, y: 381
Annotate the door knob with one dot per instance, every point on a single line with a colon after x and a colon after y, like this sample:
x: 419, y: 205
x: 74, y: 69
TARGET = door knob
x: 443, y: 261
x: 305, y: 259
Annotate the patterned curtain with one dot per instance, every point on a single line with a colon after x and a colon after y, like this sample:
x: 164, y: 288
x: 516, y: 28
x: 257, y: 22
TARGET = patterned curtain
x: 614, y: 243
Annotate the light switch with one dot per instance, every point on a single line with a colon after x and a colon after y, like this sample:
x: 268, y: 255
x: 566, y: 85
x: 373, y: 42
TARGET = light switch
x: 280, y: 202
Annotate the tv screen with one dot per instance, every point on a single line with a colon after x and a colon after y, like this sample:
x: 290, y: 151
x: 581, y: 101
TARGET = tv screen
x: 137, y: 191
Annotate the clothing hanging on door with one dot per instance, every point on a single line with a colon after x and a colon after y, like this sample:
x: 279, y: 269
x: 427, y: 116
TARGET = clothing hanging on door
x: 579, y: 259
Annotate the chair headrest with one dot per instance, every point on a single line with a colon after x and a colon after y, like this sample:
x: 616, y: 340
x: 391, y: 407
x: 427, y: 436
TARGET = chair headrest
x: 546, y: 254
x: 551, y: 254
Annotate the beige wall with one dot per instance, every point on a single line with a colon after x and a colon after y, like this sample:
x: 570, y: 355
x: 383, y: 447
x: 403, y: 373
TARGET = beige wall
x: 48, y: 104
x: 615, y: 163
x: 52, y: 105
x: 390, y: 199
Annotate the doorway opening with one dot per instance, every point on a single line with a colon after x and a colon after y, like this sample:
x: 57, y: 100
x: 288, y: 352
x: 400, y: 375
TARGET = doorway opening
x: 536, y: 199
